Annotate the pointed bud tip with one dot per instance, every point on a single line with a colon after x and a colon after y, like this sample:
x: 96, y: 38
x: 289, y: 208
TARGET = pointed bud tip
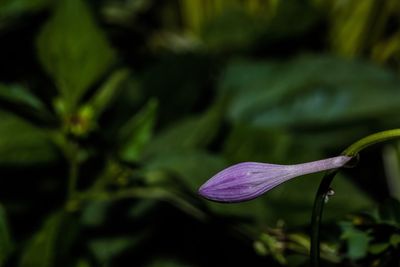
x: 201, y: 191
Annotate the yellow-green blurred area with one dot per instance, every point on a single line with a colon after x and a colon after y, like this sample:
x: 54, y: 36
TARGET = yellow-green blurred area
x: 114, y: 112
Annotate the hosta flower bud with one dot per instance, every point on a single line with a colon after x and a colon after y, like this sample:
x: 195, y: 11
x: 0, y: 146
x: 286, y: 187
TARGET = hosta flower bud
x: 248, y: 180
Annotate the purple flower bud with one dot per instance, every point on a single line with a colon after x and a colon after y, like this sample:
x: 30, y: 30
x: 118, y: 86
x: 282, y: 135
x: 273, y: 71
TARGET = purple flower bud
x: 248, y: 180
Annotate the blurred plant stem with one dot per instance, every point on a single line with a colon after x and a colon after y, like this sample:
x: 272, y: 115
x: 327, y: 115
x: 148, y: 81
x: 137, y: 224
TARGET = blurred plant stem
x: 71, y: 151
x: 325, y: 184
x: 391, y: 160
x: 157, y: 193
x: 73, y: 169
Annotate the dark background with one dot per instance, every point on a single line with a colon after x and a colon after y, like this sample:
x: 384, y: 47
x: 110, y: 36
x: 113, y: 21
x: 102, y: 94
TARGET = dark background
x: 114, y: 112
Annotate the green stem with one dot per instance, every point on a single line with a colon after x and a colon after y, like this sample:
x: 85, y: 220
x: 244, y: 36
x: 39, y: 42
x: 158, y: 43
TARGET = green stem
x: 73, y: 170
x: 325, y: 184
x: 316, y: 217
x: 370, y: 140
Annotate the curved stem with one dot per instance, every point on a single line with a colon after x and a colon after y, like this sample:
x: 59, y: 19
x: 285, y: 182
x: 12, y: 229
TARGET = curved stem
x: 316, y: 217
x: 325, y: 184
x: 370, y: 140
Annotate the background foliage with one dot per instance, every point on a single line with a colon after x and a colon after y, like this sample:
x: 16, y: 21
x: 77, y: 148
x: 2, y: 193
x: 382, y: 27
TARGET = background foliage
x: 114, y: 112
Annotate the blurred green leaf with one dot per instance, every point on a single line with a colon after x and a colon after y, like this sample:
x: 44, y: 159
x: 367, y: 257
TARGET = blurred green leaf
x: 233, y: 29
x: 124, y: 12
x: 83, y: 263
x: 246, y: 142
x: 18, y: 100
x: 231, y: 25
x: 14, y: 8
x: 191, y: 133
x: 193, y: 166
x: 395, y: 239
x: 105, y: 95
x: 136, y: 133
x: 378, y: 248
x: 142, y: 208
x: 193, y: 14
x: 284, y: 146
x: 6, y: 245
x: 309, y: 91
x: 94, y: 213
x: 352, y: 26
x: 19, y: 95
x: 273, y: 247
x: 160, y: 193
x: 357, y: 241
x: 22, y: 143
x: 105, y: 249
x: 387, y: 49
x: 51, y: 242
x: 73, y: 50
x: 389, y: 212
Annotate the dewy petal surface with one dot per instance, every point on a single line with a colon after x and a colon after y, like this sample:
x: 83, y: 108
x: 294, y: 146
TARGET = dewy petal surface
x: 248, y: 180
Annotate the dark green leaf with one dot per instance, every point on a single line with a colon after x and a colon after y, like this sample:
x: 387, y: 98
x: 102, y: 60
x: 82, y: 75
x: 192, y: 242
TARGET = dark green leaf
x: 20, y: 101
x: 194, y: 167
x: 19, y: 95
x: 270, y: 23
x: 51, y: 242
x: 73, y: 50
x: 274, y: 247
x: 105, y: 249
x: 14, y: 8
x: 247, y: 142
x: 107, y: 92
x: 242, y: 30
x: 357, y: 241
x: 191, y: 133
x: 122, y: 13
x: 136, y: 133
x: 309, y: 91
x: 395, y: 239
x: 378, y: 248
x: 94, y: 213
x: 83, y: 263
x: 254, y: 143
x: 22, y: 143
